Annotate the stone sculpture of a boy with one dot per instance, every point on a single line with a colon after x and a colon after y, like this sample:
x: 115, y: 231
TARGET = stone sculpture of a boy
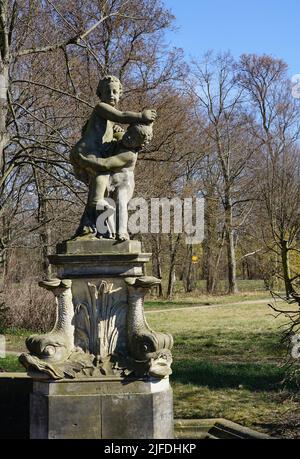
x: 97, y: 155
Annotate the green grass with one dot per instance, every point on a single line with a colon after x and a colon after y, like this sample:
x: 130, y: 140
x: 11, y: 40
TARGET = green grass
x: 227, y: 363
x: 241, y: 333
x: 271, y: 412
x: 249, y: 376
x: 15, y: 339
x: 204, y: 300
x: 11, y: 364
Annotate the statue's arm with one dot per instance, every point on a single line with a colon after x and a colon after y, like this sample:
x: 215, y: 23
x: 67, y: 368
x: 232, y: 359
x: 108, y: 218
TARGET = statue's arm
x: 110, y: 164
x: 110, y: 113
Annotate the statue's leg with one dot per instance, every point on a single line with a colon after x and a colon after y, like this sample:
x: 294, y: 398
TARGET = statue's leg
x: 99, y: 202
x: 96, y: 201
x: 111, y: 221
x: 87, y: 223
x: 98, y: 187
x: 124, y: 194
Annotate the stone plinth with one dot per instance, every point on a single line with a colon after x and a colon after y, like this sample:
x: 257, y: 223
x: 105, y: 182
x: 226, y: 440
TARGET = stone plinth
x: 105, y: 408
x: 99, y: 257
x: 101, y: 372
x: 93, y: 245
x: 97, y: 269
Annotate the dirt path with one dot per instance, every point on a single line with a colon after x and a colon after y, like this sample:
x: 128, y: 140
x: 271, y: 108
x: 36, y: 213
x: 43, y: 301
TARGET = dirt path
x: 209, y: 306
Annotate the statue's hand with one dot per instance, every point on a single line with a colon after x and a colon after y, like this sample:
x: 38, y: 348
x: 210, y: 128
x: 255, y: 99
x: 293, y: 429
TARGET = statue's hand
x: 118, y: 129
x: 149, y: 116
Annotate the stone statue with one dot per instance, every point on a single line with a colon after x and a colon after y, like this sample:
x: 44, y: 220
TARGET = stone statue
x: 105, y: 157
x: 100, y: 326
x: 101, y: 364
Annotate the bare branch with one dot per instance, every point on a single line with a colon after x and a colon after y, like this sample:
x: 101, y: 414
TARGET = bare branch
x: 59, y: 91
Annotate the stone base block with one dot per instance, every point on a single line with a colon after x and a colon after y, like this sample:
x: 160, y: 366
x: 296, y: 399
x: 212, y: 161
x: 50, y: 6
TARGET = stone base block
x: 92, y: 245
x: 107, y: 408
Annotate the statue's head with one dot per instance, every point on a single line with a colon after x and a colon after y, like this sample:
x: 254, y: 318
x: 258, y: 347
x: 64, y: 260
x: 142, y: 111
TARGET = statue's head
x: 138, y: 135
x: 109, y: 90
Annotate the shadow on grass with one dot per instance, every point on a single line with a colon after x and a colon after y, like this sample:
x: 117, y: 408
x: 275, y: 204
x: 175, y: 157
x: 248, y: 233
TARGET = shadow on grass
x: 251, y: 376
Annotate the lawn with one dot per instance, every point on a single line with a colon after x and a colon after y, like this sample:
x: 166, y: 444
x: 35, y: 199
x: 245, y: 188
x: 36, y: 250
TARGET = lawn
x: 204, y: 300
x: 227, y: 363
x: 11, y: 364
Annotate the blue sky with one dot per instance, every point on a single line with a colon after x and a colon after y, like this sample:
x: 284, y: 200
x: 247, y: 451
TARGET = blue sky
x: 253, y: 26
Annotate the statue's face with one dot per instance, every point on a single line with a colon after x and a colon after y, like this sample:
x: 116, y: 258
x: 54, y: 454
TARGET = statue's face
x: 111, y: 94
x: 133, y: 138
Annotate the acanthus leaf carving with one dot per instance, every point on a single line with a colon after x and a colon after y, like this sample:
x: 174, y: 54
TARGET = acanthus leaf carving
x: 100, y: 323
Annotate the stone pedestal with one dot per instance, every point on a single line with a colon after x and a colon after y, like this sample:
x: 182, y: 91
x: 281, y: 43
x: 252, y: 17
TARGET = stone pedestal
x: 101, y: 372
x: 102, y: 258
x: 106, y: 408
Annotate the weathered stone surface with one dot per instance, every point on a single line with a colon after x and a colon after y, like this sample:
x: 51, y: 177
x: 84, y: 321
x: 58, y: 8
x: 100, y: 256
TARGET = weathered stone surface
x: 105, y: 158
x: 101, y: 372
x: 100, y: 316
x: 109, y: 264
x: 105, y: 385
x: 71, y: 417
x: 128, y: 416
x: 162, y: 409
x: 102, y: 408
x: 93, y: 245
x: 50, y: 351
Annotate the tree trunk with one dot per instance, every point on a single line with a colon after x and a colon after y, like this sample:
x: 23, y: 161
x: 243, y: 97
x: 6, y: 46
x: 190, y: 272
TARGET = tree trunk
x: 4, y: 82
x: 190, y: 275
x: 45, y: 236
x: 286, y: 268
x: 173, y: 246
x: 3, y: 112
x: 44, y: 221
x: 158, y: 263
x: 231, y: 260
x: 216, y: 267
x: 211, y: 239
x: 4, y: 77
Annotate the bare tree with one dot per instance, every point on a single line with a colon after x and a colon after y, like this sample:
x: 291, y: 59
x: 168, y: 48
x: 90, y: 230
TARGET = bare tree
x: 276, y: 126
x: 218, y: 100
x: 52, y: 55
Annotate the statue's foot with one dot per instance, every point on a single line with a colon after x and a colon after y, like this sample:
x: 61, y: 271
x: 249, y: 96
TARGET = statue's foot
x: 106, y: 235
x: 84, y: 231
x: 123, y: 237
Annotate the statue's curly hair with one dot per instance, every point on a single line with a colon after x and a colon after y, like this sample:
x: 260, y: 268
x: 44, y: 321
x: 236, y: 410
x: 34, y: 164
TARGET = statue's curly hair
x: 106, y: 80
x: 144, y: 131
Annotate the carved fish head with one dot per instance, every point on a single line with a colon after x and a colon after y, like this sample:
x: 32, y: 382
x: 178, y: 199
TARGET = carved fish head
x: 48, y: 347
x: 160, y: 364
